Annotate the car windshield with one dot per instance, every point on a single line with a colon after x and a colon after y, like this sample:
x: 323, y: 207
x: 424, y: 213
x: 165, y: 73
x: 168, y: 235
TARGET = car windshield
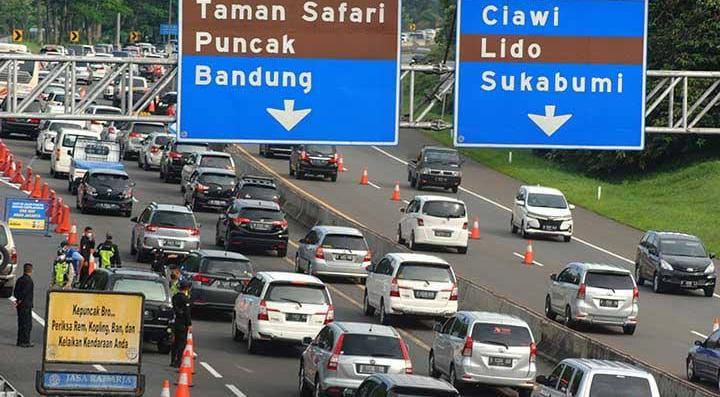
x: 442, y: 156
x: 608, y: 280
x: 109, y: 180
x: 425, y: 272
x: 345, y: 241
x: 371, y: 346
x: 190, y: 148
x: 217, y: 179
x: 216, y: 162
x: 153, y: 290
x: 163, y: 140
x: 55, y: 126
x: 227, y: 266
x: 170, y: 98
x: 257, y: 214
x: 546, y: 200
x: 258, y: 192
x: 320, y: 149
x: 444, y: 209
x: 147, y: 128
x: 69, y: 139
x: 108, y: 111
x: 501, y: 334
x: 174, y: 219
x: 604, y: 385
x: 682, y: 247
x: 309, y: 294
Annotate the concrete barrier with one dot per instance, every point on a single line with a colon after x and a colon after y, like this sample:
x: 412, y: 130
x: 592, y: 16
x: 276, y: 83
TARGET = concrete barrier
x: 555, y: 341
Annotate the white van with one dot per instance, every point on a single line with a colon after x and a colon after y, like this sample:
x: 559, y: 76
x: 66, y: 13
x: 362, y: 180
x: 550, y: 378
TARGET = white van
x: 434, y: 220
x: 62, y: 155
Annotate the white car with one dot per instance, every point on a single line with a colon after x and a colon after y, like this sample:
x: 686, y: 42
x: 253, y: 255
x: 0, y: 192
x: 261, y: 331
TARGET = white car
x: 64, y: 144
x: 542, y: 210
x: 83, y: 72
x: 100, y: 69
x: 97, y: 125
x: 45, y: 143
x: 282, y: 307
x: 434, y: 220
x: 152, y: 150
x: 410, y: 284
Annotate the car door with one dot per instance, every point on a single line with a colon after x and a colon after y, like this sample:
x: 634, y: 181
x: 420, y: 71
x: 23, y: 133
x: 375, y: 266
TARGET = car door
x: 641, y: 254
x: 456, y: 338
x: 224, y: 218
x: 190, y: 187
x: 556, y: 289
x: 375, y: 288
x: 442, y: 349
x: 307, y: 249
x: 571, y: 286
x: 652, y: 261
x: 408, y: 220
x: 547, y: 388
x: 140, y: 225
x: 248, y: 302
x: 315, y: 354
x: 188, y: 167
x: 707, y: 356
x: 518, y: 207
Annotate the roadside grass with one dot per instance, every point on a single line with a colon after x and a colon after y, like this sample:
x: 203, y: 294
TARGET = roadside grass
x: 684, y: 199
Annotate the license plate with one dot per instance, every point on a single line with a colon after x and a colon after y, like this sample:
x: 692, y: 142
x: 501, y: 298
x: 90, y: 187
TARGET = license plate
x: 217, y: 202
x: 608, y: 303
x: 550, y: 227
x: 425, y: 294
x: 261, y: 226
x: 443, y: 233
x: 688, y: 283
x: 319, y: 162
x: 500, y: 361
x: 371, y: 369
x: 297, y: 317
x: 344, y: 257
x: 172, y: 243
x: 107, y: 205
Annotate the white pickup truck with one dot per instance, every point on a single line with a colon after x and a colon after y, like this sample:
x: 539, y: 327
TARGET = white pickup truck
x: 92, y: 154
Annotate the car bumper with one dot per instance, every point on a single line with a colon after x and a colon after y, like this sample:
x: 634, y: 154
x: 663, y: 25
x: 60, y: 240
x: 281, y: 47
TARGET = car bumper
x: 186, y: 245
x: 8, y: 280
x: 274, y: 241
x: 124, y: 205
x: 589, y: 315
x: 474, y: 374
x: 441, y: 181
x: 214, y: 202
x: 317, y: 170
x: 157, y: 332
x: 426, y: 235
x: 154, y: 160
x: 279, y: 151
x: 564, y: 229
x: 330, y: 269
x: 399, y: 307
x: 688, y: 280
x: 271, y: 332
x: 213, y: 298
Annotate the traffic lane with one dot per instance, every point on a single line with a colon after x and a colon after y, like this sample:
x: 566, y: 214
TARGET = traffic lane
x: 496, y: 253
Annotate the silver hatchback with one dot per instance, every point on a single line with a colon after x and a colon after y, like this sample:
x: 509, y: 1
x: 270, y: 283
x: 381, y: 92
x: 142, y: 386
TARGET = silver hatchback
x: 169, y: 227
x: 594, y: 294
x: 333, y: 251
x: 343, y: 354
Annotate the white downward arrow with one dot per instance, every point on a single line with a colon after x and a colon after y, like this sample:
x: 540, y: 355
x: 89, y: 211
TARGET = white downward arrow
x: 288, y: 117
x: 549, y: 123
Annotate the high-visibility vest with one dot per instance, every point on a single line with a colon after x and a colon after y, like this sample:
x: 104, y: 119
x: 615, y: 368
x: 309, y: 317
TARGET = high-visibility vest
x: 61, y: 270
x: 106, y: 253
x: 174, y: 288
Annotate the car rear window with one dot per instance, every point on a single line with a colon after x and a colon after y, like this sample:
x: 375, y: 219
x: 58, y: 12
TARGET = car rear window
x: 371, y: 346
x: 190, y: 148
x: 303, y: 293
x: 227, y: 266
x: 320, y: 149
x: 69, y: 139
x: 258, y: 192
x: 216, y: 162
x: 345, y: 241
x: 163, y: 140
x: 425, y: 272
x: 153, y: 290
x: 174, y: 219
x: 608, y: 385
x: 444, y: 209
x: 109, y: 180
x: 58, y: 126
x: 682, y: 247
x: 217, y: 179
x: 257, y: 214
x: 609, y: 280
x: 108, y: 111
x: 147, y: 128
x: 500, y: 334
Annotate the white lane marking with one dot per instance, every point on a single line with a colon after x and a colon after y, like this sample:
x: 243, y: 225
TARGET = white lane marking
x: 698, y: 334
x: 716, y: 295
x: 210, y: 369
x: 235, y: 391
x: 374, y: 185
x: 507, y: 209
x: 5, y: 181
x: 248, y: 370
x: 521, y: 256
x: 39, y: 319
x: 406, y: 202
x: 99, y: 368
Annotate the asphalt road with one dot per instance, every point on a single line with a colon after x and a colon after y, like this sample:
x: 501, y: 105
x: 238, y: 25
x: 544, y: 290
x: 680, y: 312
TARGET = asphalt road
x: 223, y: 367
x: 668, y: 323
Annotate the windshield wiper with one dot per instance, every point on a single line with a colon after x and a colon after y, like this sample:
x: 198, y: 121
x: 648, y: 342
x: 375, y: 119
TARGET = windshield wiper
x: 492, y: 342
x: 292, y: 300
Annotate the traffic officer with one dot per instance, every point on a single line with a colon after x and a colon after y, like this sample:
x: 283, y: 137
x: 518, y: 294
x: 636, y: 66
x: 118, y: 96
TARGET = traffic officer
x: 181, y: 307
x: 62, y: 272
x: 87, y: 249
x: 108, y: 253
x: 175, y: 279
x: 23, y: 294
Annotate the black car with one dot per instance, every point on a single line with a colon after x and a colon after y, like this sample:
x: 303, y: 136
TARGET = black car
x: 167, y: 103
x: 174, y: 156
x: 23, y: 126
x: 319, y: 160
x: 158, y: 315
x: 217, y: 277
x: 210, y: 188
x: 267, y: 150
x: 674, y: 260
x: 253, y: 224
x: 106, y: 190
x: 257, y: 188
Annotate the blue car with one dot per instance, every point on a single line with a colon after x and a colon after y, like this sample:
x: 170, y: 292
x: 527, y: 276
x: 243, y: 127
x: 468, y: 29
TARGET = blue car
x: 703, y: 361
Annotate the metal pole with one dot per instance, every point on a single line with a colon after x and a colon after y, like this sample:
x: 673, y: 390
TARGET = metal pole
x: 117, y: 31
x: 412, y: 95
x: 73, y: 87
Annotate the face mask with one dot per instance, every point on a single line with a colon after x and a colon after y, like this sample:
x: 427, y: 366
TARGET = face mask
x: 89, y: 235
x: 173, y: 276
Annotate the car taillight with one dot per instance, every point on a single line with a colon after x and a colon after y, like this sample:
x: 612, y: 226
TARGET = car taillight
x: 533, y: 352
x: 368, y: 256
x: 320, y: 253
x: 263, y: 312
x: 581, y: 291
x: 175, y: 155
x: 13, y: 255
x: 454, y: 293
x: 195, y: 232
x: 283, y: 223
x: 240, y: 221
x: 636, y: 295
x: 151, y: 228
x: 202, y: 279
x: 334, y: 159
x: 406, y: 356
x: 134, y: 134
x: 35, y: 121
x: 465, y: 226
x: 394, y: 288
x: 200, y: 188
x: 332, y: 364
x: 171, y: 110
x: 304, y: 156
x: 330, y: 315
x: 420, y: 222
x: 468, y: 348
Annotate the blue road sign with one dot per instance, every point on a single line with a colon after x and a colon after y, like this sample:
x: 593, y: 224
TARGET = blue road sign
x: 551, y: 73
x: 291, y: 72
x: 168, y: 29
x: 27, y: 215
x: 90, y: 381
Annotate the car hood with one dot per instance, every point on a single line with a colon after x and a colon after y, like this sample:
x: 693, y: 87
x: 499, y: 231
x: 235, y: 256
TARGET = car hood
x: 685, y: 263
x: 549, y: 212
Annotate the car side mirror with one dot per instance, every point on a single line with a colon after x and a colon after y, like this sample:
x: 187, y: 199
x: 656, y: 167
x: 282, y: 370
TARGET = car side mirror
x: 712, y: 255
x: 438, y: 326
x: 133, y: 219
x: 402, y: 210
x: 571, y: 206
x: 520, y: 202
x: 553, y: 277
x: 541, y: 380
x: 699, y: 343
x: 302, y: 241
x: 371, y: 268
x: 69, y: 152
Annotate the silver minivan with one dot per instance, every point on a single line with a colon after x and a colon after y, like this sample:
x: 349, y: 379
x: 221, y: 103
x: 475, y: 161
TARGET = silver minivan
x: 484, y: 348
x: 334, y: 251
x: 343, y: 354
x: 8, y: 261
x: 594, y: 294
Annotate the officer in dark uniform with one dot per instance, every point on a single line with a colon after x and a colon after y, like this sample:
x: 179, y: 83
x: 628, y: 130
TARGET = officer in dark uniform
x: 181, y: 307
x: 23, y: 294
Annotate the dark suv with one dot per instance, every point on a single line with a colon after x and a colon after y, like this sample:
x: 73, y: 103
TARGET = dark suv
x: 253, y: 224
x: 158, y: 315
x: 257, y: 188
x: 107, y: 190
x: 314, y: 160
x: 174, y: 156
x: 23, y: 126
x: 217, y: 277
x: 210, y: 188
x: 674, y: 260
x: 267, y: 150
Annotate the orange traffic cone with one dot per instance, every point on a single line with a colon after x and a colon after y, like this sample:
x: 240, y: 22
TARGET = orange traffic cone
x: 45, y: 191
x: 364, y: 178
x: 341, y: 164
x: 28, y: 180
x: 64, y: 225
x: 183, y: 387
x: 72, y: 237
x: 475, y: 232
x: 91, y: 264
x: 8, y: 165
x: 186, y: 368
x: 529, y: 256
x: 37, y: 187
x: 716, y: 324
x: 57, y: 211
x: 396, y: 192
x: 165, y: 389
x: 18, y: 176
x: 151, y: 106
x: 10, y: 171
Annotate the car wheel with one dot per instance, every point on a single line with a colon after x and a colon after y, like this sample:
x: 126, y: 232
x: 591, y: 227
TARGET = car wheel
x: 367, y: 309
x: 638, y: 277
x: 690, y: 369
x: 432, y: 371
x: 252, y: 344
x: 303, y: 389
x: 290, y: 169
x: 549, y: 313
x: 400, y: 240
x: 282, y: 252
x: 385, y: 318
x: 709, y: 291
x: 523, y: 231
x: 297, y: 264
x: 657, y: 284
x: 462, y: 250
x: 236, y: 334
x: 333, y: 178
x: 629, y: 329
x: 513, y: 228
x: 318, y: 388
x: 457, y: 384
x: 567, y: 238
x: 454, y: 189
x: 567, y: 319
x: 412, y: 245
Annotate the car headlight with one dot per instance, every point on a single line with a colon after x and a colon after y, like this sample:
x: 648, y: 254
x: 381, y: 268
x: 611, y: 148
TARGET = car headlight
x: 710, y: 269
x: 91, y: 191
x: 665, y: 265
x: 424, y: 170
